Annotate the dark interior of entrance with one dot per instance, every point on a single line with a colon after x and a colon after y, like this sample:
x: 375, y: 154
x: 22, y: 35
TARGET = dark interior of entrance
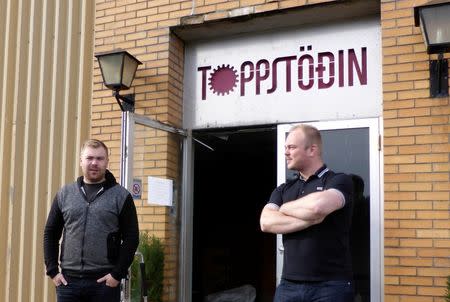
x: 232, y: 183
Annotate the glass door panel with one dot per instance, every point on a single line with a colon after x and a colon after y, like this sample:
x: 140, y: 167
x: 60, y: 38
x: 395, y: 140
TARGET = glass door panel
x: 351, y: 147
x: 151, y: 169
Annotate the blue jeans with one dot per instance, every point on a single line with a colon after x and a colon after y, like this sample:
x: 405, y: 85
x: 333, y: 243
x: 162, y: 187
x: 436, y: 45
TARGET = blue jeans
x: 86, y: 290
x: 326, y: 291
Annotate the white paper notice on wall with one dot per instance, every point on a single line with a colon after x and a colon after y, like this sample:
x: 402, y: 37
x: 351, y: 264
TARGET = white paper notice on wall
x: 160, y: 191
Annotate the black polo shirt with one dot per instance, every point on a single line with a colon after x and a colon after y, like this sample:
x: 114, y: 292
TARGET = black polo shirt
x: 320, y: 252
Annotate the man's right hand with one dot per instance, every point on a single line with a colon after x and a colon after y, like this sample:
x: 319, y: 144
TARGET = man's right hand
x: 59, y: 279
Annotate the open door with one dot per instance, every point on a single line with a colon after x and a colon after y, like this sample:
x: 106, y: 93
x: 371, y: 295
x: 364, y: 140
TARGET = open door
x: 144, y: 141
x: 352, y: 147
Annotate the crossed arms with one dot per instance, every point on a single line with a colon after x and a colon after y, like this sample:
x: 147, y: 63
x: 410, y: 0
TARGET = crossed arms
x: 301, y: 213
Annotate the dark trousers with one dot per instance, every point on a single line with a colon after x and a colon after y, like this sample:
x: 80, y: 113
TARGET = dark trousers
x: 327, y: 291
x: 86, y: 290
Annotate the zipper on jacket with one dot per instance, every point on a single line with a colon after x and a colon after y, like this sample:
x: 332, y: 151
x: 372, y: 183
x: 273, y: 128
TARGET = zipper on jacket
x: 86, y: 215
x: 102, y: 189
x: 84, y: 235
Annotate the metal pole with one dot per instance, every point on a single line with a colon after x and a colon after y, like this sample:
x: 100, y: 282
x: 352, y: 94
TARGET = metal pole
x: 125, y: 283
x: 126, y: 160
x: 124, y: 155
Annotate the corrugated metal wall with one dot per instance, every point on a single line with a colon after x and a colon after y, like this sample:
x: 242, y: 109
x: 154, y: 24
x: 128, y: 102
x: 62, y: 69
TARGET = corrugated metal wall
x: 46, y: 57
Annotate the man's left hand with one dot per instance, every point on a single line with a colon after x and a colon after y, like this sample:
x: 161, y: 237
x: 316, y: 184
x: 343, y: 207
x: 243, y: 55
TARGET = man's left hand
x: 109, y: 280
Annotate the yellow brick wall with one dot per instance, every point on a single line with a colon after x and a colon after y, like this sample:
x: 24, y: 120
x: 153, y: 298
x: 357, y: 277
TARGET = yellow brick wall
x: 142, y: 28
x: 416, y: 170
x: 416, y: 131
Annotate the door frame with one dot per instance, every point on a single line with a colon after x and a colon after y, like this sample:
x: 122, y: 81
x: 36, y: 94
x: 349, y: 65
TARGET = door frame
x: 129, y: 120
x: 376, y: 194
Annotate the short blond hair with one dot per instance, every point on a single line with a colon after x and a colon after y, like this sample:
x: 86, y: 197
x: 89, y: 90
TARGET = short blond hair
x: 312, y: 135
x: 94, y: 143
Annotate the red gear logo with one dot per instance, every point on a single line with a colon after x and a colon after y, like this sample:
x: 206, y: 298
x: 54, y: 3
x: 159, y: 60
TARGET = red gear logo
x: 223, y: 79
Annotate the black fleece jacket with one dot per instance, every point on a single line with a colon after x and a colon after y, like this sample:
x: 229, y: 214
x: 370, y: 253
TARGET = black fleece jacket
x: 100, y: 236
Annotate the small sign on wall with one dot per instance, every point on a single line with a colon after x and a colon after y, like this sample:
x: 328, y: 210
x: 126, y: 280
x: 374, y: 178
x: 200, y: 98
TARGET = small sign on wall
x: 136, y: 189
x: 160, y: 191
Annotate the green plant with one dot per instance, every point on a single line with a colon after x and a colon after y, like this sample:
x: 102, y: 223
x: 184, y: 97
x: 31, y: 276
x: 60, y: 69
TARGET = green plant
x: 447, y: 294
x: 153, y: 252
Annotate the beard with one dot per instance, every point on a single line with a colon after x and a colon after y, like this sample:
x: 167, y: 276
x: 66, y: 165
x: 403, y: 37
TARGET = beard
x: 94, y: 176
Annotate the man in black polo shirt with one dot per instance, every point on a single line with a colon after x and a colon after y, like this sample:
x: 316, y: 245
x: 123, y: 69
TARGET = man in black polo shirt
x: 313, y: 212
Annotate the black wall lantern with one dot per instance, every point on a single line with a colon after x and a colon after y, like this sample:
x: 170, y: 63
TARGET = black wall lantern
x: 433, y: 17
x: 118, y: 69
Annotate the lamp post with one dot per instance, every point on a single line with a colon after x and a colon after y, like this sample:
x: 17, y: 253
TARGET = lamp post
x: 433, y: 17
x: 118, y: 69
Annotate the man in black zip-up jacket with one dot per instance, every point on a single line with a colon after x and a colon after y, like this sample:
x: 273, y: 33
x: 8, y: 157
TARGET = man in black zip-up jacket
x: 98, y: 219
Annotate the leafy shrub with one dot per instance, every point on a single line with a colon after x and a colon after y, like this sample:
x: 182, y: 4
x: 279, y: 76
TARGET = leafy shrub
x: 447, y: 296
x: 153, y: 253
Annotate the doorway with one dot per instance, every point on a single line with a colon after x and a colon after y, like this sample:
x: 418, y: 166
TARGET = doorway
x: 234, y: 174
x: 235, y: 171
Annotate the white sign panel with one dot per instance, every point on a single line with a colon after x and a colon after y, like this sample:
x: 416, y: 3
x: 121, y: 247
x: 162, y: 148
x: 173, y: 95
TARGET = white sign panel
x: 324, y: 72
x: 160, y: 191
